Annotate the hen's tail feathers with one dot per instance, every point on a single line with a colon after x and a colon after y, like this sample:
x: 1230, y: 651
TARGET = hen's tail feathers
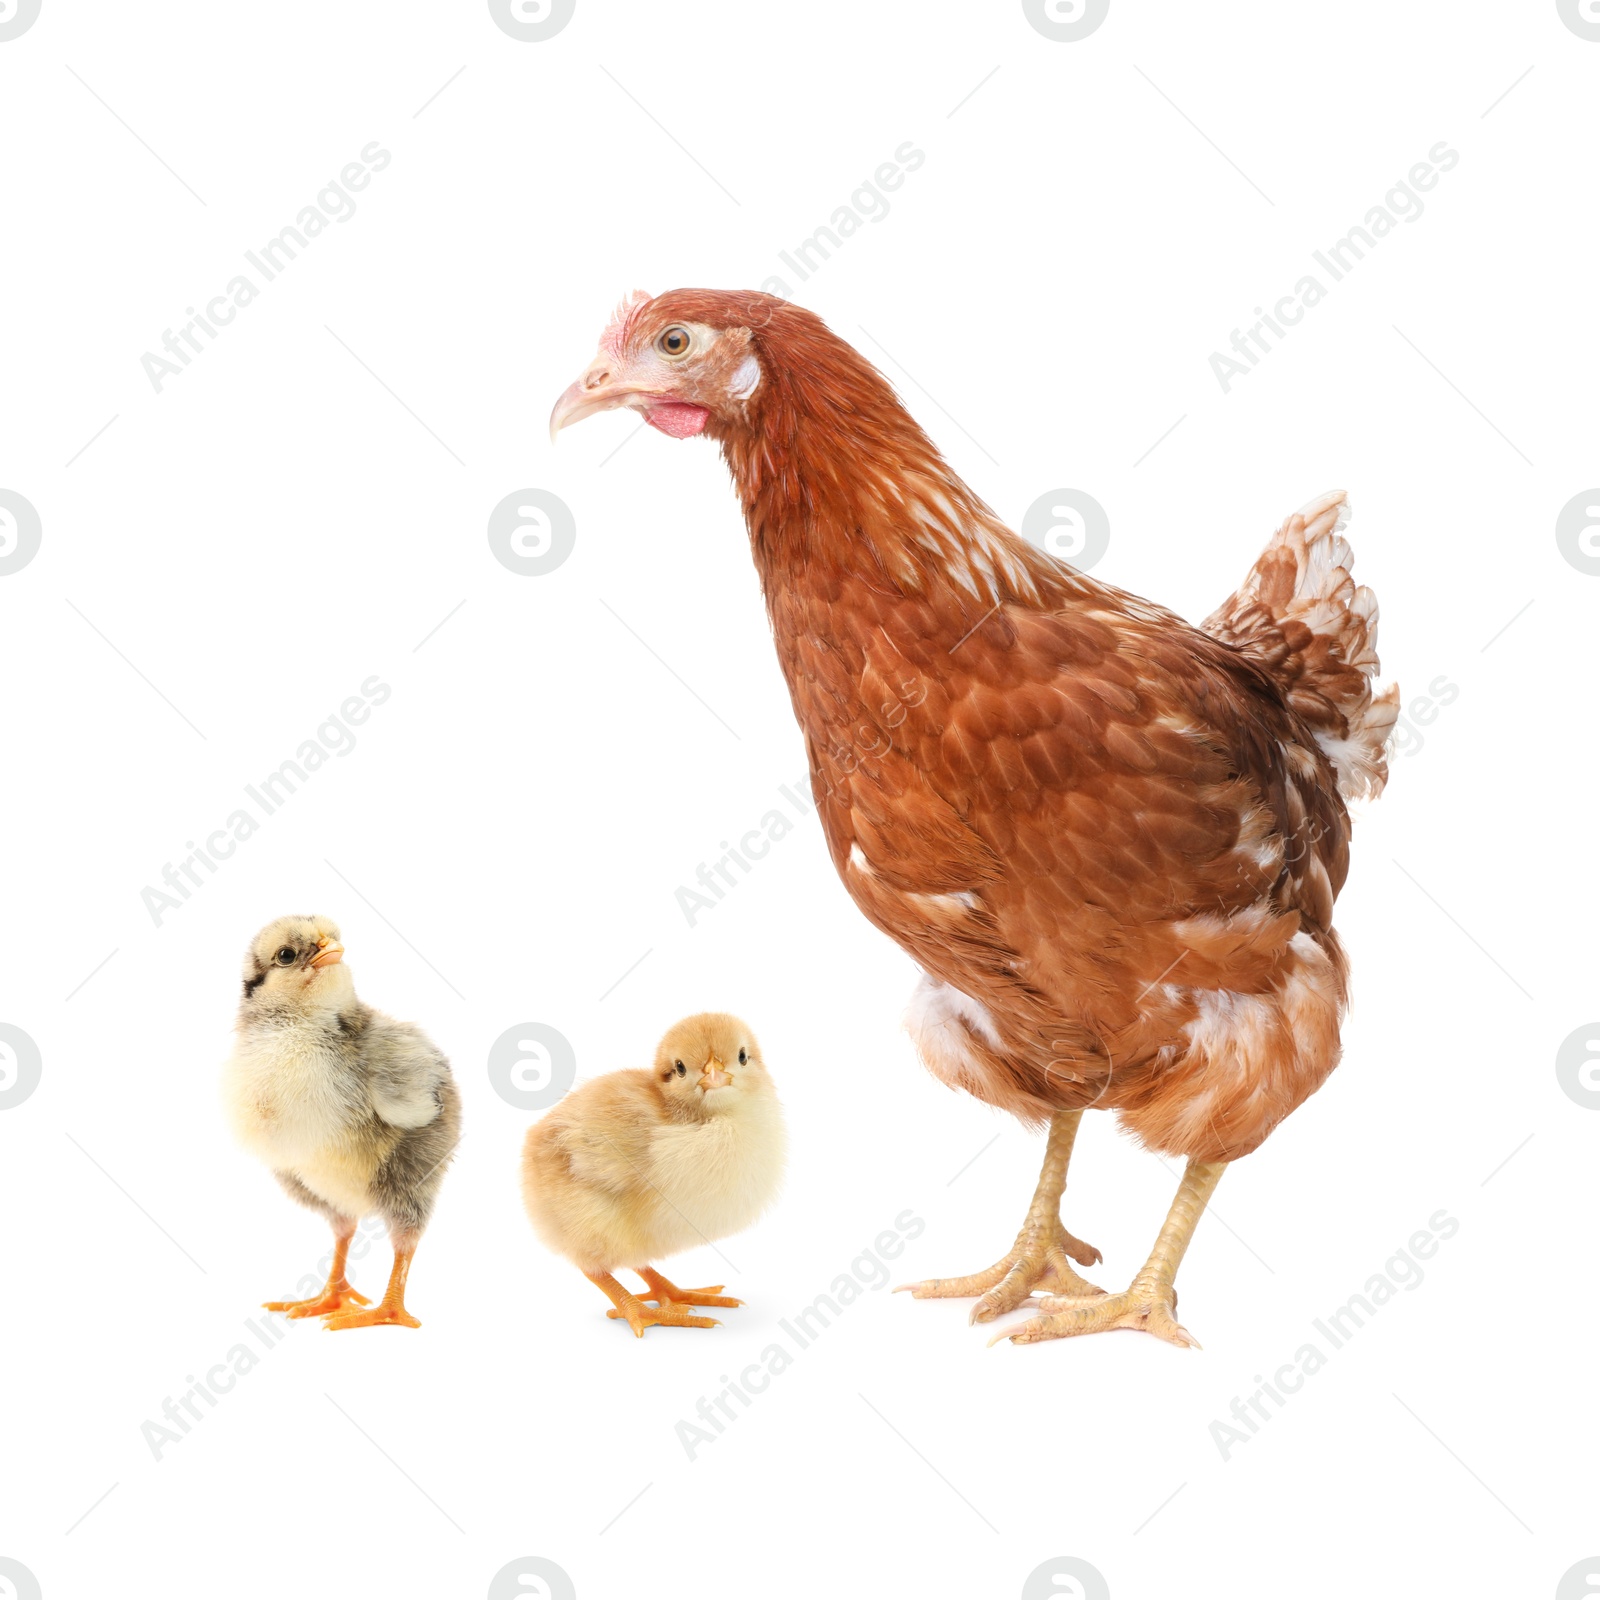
x: 1299, y: 615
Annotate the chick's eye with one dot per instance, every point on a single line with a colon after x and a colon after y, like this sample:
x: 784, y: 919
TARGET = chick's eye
x: 285, y: 956
x: 681, y: 1069
x: 674, y: 342
x: 744, y: 1056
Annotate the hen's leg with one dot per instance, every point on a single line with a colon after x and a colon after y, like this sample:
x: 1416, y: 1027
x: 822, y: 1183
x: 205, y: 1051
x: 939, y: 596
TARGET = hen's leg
x: 1150, y: 1302
x: 336, y: 1293
x: 1038, y: 1260
x: 391, y: 1310
x: 629, y: 1307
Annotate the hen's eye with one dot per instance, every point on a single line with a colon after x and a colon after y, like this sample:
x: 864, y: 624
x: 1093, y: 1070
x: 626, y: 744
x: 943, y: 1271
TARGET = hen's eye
x: 674, y: 342
x: 285, y: 956
x: 681, y: 1068
x: 744, y: 1056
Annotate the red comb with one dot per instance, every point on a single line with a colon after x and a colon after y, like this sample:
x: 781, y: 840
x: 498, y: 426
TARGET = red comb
x: 616, y: 334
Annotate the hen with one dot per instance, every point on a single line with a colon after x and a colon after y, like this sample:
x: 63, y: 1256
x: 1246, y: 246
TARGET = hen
x: 1110, y: 840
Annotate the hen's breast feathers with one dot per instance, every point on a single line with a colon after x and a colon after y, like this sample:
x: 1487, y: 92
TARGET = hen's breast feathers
x: 1080, y: 812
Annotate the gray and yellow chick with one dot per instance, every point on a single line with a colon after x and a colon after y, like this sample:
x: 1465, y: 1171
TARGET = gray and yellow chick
x: 357, y: 1114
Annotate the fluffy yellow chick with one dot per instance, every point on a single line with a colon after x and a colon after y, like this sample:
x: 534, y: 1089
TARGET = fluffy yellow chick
x: 649, y: 1161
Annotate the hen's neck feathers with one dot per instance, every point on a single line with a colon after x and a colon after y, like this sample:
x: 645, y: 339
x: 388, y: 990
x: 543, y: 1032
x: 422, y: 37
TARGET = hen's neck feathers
x: 837, y: 480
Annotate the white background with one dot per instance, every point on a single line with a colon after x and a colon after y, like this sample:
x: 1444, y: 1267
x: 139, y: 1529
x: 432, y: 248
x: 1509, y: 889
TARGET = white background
x: 230, y: 558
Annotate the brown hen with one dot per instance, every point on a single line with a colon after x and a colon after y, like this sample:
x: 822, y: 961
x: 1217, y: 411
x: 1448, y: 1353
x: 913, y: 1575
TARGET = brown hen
x: 1110, y: 840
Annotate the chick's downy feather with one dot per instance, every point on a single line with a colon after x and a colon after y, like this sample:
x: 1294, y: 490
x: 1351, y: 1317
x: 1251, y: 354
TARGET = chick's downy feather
x: 350, y: 1107
x: 637, y: 1165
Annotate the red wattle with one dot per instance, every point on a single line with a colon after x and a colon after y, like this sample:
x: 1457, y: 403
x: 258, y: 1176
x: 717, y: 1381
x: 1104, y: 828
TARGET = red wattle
x: 677, y: 419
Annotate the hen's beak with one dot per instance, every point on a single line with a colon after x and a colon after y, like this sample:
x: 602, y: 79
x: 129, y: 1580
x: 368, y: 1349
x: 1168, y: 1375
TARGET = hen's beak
x: 328, y: 952
x: 600, y: 389
x: 713, y: 1077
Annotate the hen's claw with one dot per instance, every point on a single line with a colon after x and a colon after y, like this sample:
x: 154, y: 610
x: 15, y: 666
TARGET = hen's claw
x: 1149, y: 1310
x: 1038, y: 1260
x: 1149, y: 1303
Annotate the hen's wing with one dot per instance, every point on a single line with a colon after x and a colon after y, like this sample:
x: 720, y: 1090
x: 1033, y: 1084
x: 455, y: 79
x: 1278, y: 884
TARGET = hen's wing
x: 1302, y: 617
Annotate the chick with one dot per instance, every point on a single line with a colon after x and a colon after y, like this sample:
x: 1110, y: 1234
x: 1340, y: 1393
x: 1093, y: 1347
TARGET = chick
x: 354, y: 1112
x: 649, y: 1161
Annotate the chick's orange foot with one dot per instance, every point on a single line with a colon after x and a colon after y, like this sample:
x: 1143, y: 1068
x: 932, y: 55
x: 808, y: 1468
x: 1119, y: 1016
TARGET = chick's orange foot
x: 390, y: 1312
x: 669, y: 1314
x: 383, y: 1315
x: 664, y: 1289
x: 334, y: 1298
x: 666, y: 1313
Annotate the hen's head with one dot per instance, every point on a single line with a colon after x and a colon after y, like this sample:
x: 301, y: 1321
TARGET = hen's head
x: 829, y: 465
x: 681, y: 359
x: 707, y: 360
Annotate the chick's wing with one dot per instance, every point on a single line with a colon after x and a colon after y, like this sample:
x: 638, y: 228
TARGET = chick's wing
x: 604, y: 1131
x: 406, y: 1074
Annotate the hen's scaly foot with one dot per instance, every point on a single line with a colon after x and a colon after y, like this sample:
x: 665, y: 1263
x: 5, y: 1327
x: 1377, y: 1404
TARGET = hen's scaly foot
x: 336, y: 1297
x: 668, y: 1314
x: 383, y: 1315
x: 1149, y: 1308
x: 1038, y: 1260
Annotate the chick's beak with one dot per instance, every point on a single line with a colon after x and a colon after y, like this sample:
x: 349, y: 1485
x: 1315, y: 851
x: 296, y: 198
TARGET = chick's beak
x: 329, y: 951
x: 713, y: 1077
x: 601, y: 388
